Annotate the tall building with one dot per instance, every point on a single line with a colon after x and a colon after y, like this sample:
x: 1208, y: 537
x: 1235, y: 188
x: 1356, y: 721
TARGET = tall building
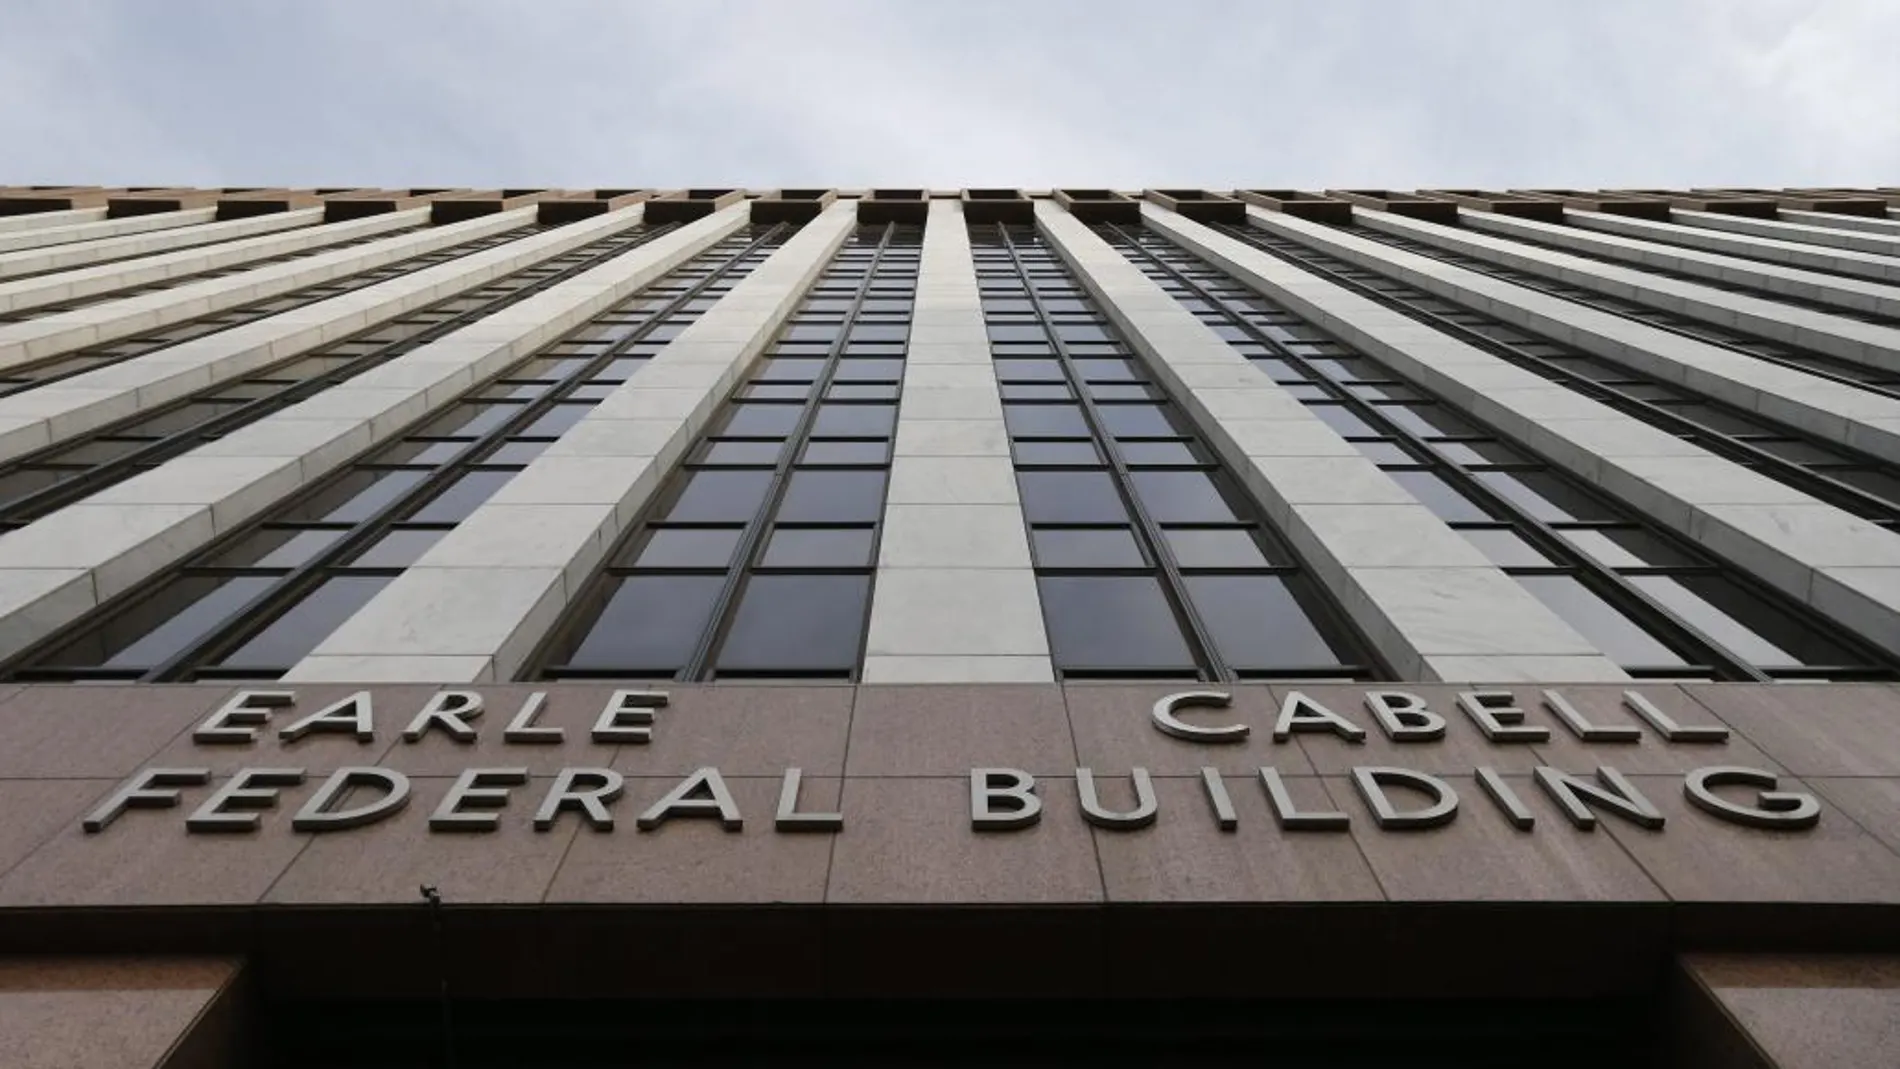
x: 509, y: 627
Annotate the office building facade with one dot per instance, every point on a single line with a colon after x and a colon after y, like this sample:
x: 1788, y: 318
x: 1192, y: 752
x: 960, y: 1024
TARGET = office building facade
x: 496, y: 627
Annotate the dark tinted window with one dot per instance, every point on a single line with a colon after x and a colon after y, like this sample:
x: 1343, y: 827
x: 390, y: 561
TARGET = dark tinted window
x: 1129, y: 514
x: 714, y: 496
x: 1070, y: 497
x: 1112, y: 622
x: 1256, y: 623
x: 780, y: 581
x: 253, y: 606
x: 1109, y: 547
x: 648, y: 622
x: 795, y: 623
x: 833, y: 497
x: 1609, y: 629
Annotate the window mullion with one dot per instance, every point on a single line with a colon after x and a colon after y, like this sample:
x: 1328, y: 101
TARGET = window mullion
x: 752, y: 539
x: 302, y: 581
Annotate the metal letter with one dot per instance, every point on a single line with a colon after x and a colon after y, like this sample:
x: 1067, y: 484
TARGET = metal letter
x: 1496, y: 720
x: 351, y: 716
x: 521, y: 728
x: 988, y: 785
x: 446, y: 711
x: 1146, y: 806
x: 1224, y: 816
x: 1622, y: 799
x: 1774, y: 810
x: 603, y: 786
x: 476, y: 788
x: 1515, y: 810
x: 628, y: 717
x: 1403, y: 716
x: 1582, y: 728
x: 1169, y: 724
x: 1666, y: 725
x: 790, y: 819
x: 702, y: 794
x: 1288, y: 814
x: 251, y: 788
x: 245, y: 707
x: 317, y: 814
x: 1301, y: 713
x: 1370, y: 780
x: 141, y: 792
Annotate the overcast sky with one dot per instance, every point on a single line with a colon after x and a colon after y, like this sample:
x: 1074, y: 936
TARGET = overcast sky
x: 1262, y: 93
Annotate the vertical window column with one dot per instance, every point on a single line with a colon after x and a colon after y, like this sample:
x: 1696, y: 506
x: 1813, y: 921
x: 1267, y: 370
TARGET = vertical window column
x: 1151, y: 562
x: 956, y: 597
x: 1734, y: 347
x: 1509, y: 459
x: 108, y: 321
x: 35, y: 229
x: 754, y: 558
x: 149, y: 524
x: 48, y: 479
x: 1768, y: 267
x: 1435, y: 606
x: 52, y: 276
x: 483, y: 599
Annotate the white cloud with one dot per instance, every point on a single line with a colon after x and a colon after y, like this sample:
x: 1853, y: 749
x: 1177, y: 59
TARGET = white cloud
x: 767, y: 92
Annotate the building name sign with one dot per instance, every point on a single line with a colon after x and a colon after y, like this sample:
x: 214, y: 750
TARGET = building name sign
x: 1001, y: 799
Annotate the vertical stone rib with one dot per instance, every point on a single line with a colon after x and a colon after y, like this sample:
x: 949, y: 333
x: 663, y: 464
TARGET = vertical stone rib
x: 68, y: 258
x: 57, y: 568
x: 40, y: 229
x: 1843, y: 566
x: 955, y: 596
x: 478, y: 602
x: 1431, y: 604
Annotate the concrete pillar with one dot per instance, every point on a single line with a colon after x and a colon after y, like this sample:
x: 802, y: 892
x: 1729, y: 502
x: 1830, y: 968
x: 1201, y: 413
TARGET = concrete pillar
x: 1820, y: 331
x: 478, y: 602
x: 14, y: 224
x: 1889, y: 227
x: 1810, y: 229
x: 1687, y: 297
x: 82, y: 253
x: 122, y: 1013
x: 1429, y: 601
x: 955, y: 596
x: 62, y: 332
x: 60, y: 286
x: 1845, y: 567
x: 59, y: 567
x: 12, y: 240
x: 1785, y: 1011
x: 1764, y: 240
x: 61, y: 409
x: 1833, y: 410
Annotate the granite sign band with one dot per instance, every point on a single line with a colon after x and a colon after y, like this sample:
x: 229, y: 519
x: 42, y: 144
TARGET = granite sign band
x: 629, y: 715
x: 1000, y: 798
